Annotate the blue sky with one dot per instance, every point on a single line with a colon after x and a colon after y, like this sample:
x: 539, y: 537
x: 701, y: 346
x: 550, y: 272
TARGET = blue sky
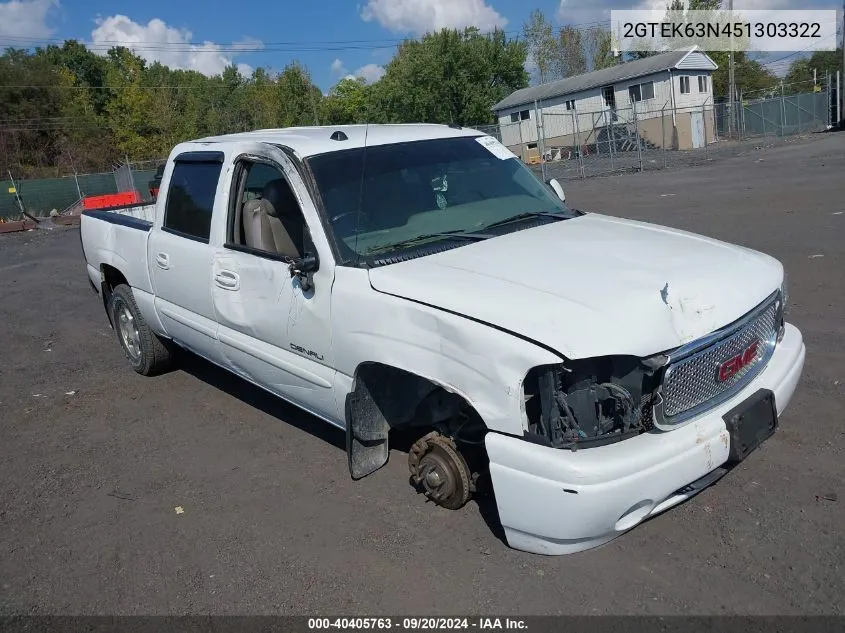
x: 345, y: 36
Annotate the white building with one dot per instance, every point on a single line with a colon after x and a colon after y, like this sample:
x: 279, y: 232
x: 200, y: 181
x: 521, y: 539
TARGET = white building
x: 666, y: 98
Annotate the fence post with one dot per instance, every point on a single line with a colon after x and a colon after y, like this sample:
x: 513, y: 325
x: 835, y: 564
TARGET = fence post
x: 577, y: 131
x: 782, y: 112
x: 637, y: 131
x: 611, y: 139
x: 541, y: 140
x: 798, y: 110
x: 17, y: 192
x: 76, y: 180
x: 663, y: 134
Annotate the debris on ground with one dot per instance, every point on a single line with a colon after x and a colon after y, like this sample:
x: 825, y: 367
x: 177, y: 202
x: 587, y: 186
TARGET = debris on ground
x: 179, y: 510
x: 831, y: 496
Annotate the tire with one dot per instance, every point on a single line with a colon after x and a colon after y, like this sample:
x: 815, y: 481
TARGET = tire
x: 144, y: 349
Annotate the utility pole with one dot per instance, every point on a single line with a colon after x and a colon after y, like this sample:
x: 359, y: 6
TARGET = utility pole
x: 840, y: 98
x: 731, y: 77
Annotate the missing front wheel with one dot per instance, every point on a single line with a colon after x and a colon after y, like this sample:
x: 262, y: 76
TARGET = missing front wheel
x: 440, y: 471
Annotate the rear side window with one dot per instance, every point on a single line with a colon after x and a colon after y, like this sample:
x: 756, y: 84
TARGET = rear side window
x: 190, y: 198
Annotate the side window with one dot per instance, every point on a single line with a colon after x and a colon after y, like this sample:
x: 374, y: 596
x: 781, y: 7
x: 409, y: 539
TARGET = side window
x: 265, y: 216
x: 190, y: 198
x: 684, y: 85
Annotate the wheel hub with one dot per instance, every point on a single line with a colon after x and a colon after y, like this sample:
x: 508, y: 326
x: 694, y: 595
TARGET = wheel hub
x: 440, y: 471
x: 128, y: 329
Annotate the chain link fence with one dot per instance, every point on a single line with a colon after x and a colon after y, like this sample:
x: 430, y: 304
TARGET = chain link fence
x: 575, y: 144
x: 39, y: 197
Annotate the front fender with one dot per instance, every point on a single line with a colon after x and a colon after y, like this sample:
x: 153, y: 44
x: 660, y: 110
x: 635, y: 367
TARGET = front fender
x: 482, y: 364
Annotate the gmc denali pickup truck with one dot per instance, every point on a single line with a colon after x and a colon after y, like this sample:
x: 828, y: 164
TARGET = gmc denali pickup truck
x: 419, y: 278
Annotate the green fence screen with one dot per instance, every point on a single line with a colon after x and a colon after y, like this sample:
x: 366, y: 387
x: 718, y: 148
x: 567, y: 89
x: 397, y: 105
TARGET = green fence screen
x: 40, y: 197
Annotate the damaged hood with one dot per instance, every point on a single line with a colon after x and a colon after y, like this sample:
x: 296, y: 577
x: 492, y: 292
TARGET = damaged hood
x: 593, y: 285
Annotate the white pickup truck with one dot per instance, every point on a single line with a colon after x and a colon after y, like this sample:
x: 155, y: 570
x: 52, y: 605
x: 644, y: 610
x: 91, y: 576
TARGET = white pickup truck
x: 419, y: 278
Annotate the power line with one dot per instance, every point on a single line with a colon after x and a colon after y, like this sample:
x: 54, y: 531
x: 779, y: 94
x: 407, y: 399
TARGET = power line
x: 793, y: 54
x: 248, y: 47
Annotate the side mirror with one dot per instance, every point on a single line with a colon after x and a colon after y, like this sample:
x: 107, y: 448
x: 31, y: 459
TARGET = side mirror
x: 557, y: 188
x: 302, y: 267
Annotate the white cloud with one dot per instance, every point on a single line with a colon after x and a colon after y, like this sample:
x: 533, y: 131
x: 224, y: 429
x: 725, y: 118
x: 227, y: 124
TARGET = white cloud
x: 370, y: 73
x: 158, y: 42
x: 338, y: 68
x: 421, y: 16
x: 26, y: 18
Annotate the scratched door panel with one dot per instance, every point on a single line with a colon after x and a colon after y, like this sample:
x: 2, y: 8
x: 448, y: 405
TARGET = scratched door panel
x: 274, y: 333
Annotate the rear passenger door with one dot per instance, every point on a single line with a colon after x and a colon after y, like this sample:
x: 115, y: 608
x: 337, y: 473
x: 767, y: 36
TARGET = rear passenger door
x: 179, y: 254
x: 273, y: 330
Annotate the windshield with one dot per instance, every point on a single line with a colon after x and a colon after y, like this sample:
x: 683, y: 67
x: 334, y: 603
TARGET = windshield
x: 416, y: 193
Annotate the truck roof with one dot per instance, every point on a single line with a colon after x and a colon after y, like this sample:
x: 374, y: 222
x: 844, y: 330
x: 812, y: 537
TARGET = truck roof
x: 313, y: 140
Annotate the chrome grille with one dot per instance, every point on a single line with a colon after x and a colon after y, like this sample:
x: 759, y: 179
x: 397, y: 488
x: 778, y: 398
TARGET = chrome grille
x: 690, y: 383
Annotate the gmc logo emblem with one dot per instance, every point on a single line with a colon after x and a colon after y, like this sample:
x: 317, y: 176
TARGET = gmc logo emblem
x: 733, y: 366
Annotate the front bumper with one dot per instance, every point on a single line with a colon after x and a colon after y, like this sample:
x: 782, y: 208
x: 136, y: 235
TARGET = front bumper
x: 554, y: 501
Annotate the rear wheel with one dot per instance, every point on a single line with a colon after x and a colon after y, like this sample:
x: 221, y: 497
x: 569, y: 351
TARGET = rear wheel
x: 147, y: 353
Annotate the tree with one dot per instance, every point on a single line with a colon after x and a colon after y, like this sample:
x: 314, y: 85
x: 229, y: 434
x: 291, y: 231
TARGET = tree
x: 450, y: 77
x: 130, y: 104
x: 799, y: 78
x: 749, y: 74
x: 298, y: 97
x: 570, y: 57
x: 542, y: 46
x: 598, y: 48
x: 349, y: 101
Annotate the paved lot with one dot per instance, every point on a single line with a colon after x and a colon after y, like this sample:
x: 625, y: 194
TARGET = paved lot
x: 94, y: 458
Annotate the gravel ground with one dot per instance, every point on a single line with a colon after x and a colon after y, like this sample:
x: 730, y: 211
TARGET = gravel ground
x: 95, y: 459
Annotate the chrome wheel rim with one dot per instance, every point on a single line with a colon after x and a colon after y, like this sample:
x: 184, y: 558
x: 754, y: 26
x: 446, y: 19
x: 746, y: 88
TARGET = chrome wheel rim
x: 129, y: 335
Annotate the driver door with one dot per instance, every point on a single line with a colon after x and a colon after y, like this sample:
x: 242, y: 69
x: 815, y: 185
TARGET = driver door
x: 273, y: 328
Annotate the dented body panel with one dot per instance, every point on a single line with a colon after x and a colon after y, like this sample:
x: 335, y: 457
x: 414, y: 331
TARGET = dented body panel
x: 592, y: 283
x: 482, y: 364
x: 554, y: 341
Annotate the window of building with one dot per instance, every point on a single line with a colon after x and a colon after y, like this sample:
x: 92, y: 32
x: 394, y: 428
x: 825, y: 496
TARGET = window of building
x: 516, y: 117
x: 570, y: 105
x: 702, y: 83
x: 190, y: 197
x: 684, y: 85
x: 641, y: 92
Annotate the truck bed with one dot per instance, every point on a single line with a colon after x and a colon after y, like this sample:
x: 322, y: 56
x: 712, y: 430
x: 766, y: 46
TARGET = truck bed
x: 144, y: 212
x: 117, y: 237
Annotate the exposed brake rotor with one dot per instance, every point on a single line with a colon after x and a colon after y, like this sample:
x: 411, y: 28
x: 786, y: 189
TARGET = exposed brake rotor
x: 438, y: 467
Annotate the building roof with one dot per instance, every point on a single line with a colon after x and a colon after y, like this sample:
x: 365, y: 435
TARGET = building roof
x: 688, y: 58
x: 309, y: 141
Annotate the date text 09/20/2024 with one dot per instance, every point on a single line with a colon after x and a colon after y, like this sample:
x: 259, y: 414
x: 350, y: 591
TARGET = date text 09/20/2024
x: 417, y: 624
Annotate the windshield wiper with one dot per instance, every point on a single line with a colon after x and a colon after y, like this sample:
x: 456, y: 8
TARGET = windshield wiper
x: 530, y: 214
x: 457, y: 234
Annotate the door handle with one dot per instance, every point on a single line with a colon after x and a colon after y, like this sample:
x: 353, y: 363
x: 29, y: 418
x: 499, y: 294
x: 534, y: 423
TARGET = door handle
x: 163, y: 260
x: 227, y: 280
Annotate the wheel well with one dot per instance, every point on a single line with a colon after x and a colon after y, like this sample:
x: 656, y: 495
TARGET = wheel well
x: 112, y: 278
x: 386, y: 398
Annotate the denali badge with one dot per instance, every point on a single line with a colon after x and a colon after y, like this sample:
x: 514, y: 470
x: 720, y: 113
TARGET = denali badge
x: 732, y: 366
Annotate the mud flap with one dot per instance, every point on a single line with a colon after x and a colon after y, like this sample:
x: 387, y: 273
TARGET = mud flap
x: 366, y: 432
